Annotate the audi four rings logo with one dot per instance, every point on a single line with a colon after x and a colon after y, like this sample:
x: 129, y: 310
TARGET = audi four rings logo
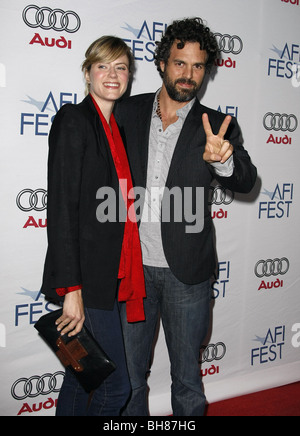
x: 55, y: 19
x: 229, y: 44
x: 272, y: 267
x: 37, y: 385
x: 280, y: 122
x: 213, y: 352
x: 219, y: 195
x: 28, y: 200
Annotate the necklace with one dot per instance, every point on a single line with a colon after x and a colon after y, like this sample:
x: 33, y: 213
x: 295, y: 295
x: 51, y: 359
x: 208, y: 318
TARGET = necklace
x: 158, y: 111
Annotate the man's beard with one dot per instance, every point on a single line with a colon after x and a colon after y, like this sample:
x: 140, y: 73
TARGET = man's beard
x: 181, y: 95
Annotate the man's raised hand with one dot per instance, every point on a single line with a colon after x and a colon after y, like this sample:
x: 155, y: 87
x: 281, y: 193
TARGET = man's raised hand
x: 217, y: 149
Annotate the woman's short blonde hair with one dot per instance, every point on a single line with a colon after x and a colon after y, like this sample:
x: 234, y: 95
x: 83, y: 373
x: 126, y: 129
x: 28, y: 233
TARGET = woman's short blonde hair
x: 106, y: 49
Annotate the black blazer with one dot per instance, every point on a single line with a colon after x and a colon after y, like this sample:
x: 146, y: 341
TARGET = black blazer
x: 191, y: 256
x: 81, y: 250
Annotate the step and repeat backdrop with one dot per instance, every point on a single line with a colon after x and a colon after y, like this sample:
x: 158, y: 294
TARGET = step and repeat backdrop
x: 254, y: 339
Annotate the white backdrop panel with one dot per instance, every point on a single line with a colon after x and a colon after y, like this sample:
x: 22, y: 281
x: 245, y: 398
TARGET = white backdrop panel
x: 254, y: 339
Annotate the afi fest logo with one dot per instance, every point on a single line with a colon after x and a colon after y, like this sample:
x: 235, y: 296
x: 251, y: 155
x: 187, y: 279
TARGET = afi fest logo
x: 271, y: 346
x: 142, y: 41
x: 286, y: 64
x: 34, y: 305
x: 279, y: 204
x: 38, y: 123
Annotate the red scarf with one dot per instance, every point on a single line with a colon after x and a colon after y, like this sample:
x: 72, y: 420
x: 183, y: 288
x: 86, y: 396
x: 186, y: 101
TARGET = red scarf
x: 132, y: 286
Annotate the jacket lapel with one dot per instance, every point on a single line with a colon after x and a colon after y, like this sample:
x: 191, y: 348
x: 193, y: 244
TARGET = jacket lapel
x: 102, y: 141
x: 139, y: 160
x: 192, y: 135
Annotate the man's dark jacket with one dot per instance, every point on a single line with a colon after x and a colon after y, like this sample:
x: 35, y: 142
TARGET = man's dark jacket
x: 190, y: 256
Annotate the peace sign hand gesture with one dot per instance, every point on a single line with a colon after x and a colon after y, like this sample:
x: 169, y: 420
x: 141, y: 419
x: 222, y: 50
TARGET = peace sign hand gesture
x: 217, y: 149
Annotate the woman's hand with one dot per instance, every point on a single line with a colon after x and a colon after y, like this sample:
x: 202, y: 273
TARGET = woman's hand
x: 72, y: 319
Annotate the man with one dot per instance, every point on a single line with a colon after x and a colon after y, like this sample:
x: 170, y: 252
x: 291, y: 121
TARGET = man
x: 174, y: 142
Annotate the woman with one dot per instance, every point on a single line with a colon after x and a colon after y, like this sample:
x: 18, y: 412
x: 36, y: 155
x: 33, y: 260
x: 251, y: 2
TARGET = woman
x: 93, y: 262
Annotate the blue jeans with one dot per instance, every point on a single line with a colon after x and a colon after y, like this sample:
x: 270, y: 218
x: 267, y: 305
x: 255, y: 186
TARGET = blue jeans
x: 111, y: 396
x: 184, y: 311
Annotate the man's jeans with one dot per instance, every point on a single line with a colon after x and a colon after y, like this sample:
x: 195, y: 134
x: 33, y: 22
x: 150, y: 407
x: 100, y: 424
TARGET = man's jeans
x: 184, y: 311
x: 111, y: 396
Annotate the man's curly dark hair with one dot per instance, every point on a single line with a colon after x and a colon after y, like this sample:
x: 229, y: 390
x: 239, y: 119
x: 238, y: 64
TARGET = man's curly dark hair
x: 187, y: 30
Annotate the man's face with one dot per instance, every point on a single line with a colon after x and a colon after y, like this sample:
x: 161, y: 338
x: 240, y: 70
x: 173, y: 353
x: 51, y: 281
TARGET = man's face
x: 185, y: 71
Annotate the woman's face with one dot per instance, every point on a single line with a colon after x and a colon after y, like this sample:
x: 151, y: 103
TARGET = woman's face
x: 108, y: 81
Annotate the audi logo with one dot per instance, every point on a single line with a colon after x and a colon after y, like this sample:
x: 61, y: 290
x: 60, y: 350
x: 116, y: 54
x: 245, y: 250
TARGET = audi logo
x: 280, y: 122
x: 272, y: 267
x: 28, y: 200
x: 229, y: 44
x: 47, y: 19
x: 37, y: 385
x: 219, y: 195
x: 213, y: 352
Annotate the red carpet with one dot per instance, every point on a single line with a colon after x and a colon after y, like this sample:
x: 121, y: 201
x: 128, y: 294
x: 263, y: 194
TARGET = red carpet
x: 282, y: 401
